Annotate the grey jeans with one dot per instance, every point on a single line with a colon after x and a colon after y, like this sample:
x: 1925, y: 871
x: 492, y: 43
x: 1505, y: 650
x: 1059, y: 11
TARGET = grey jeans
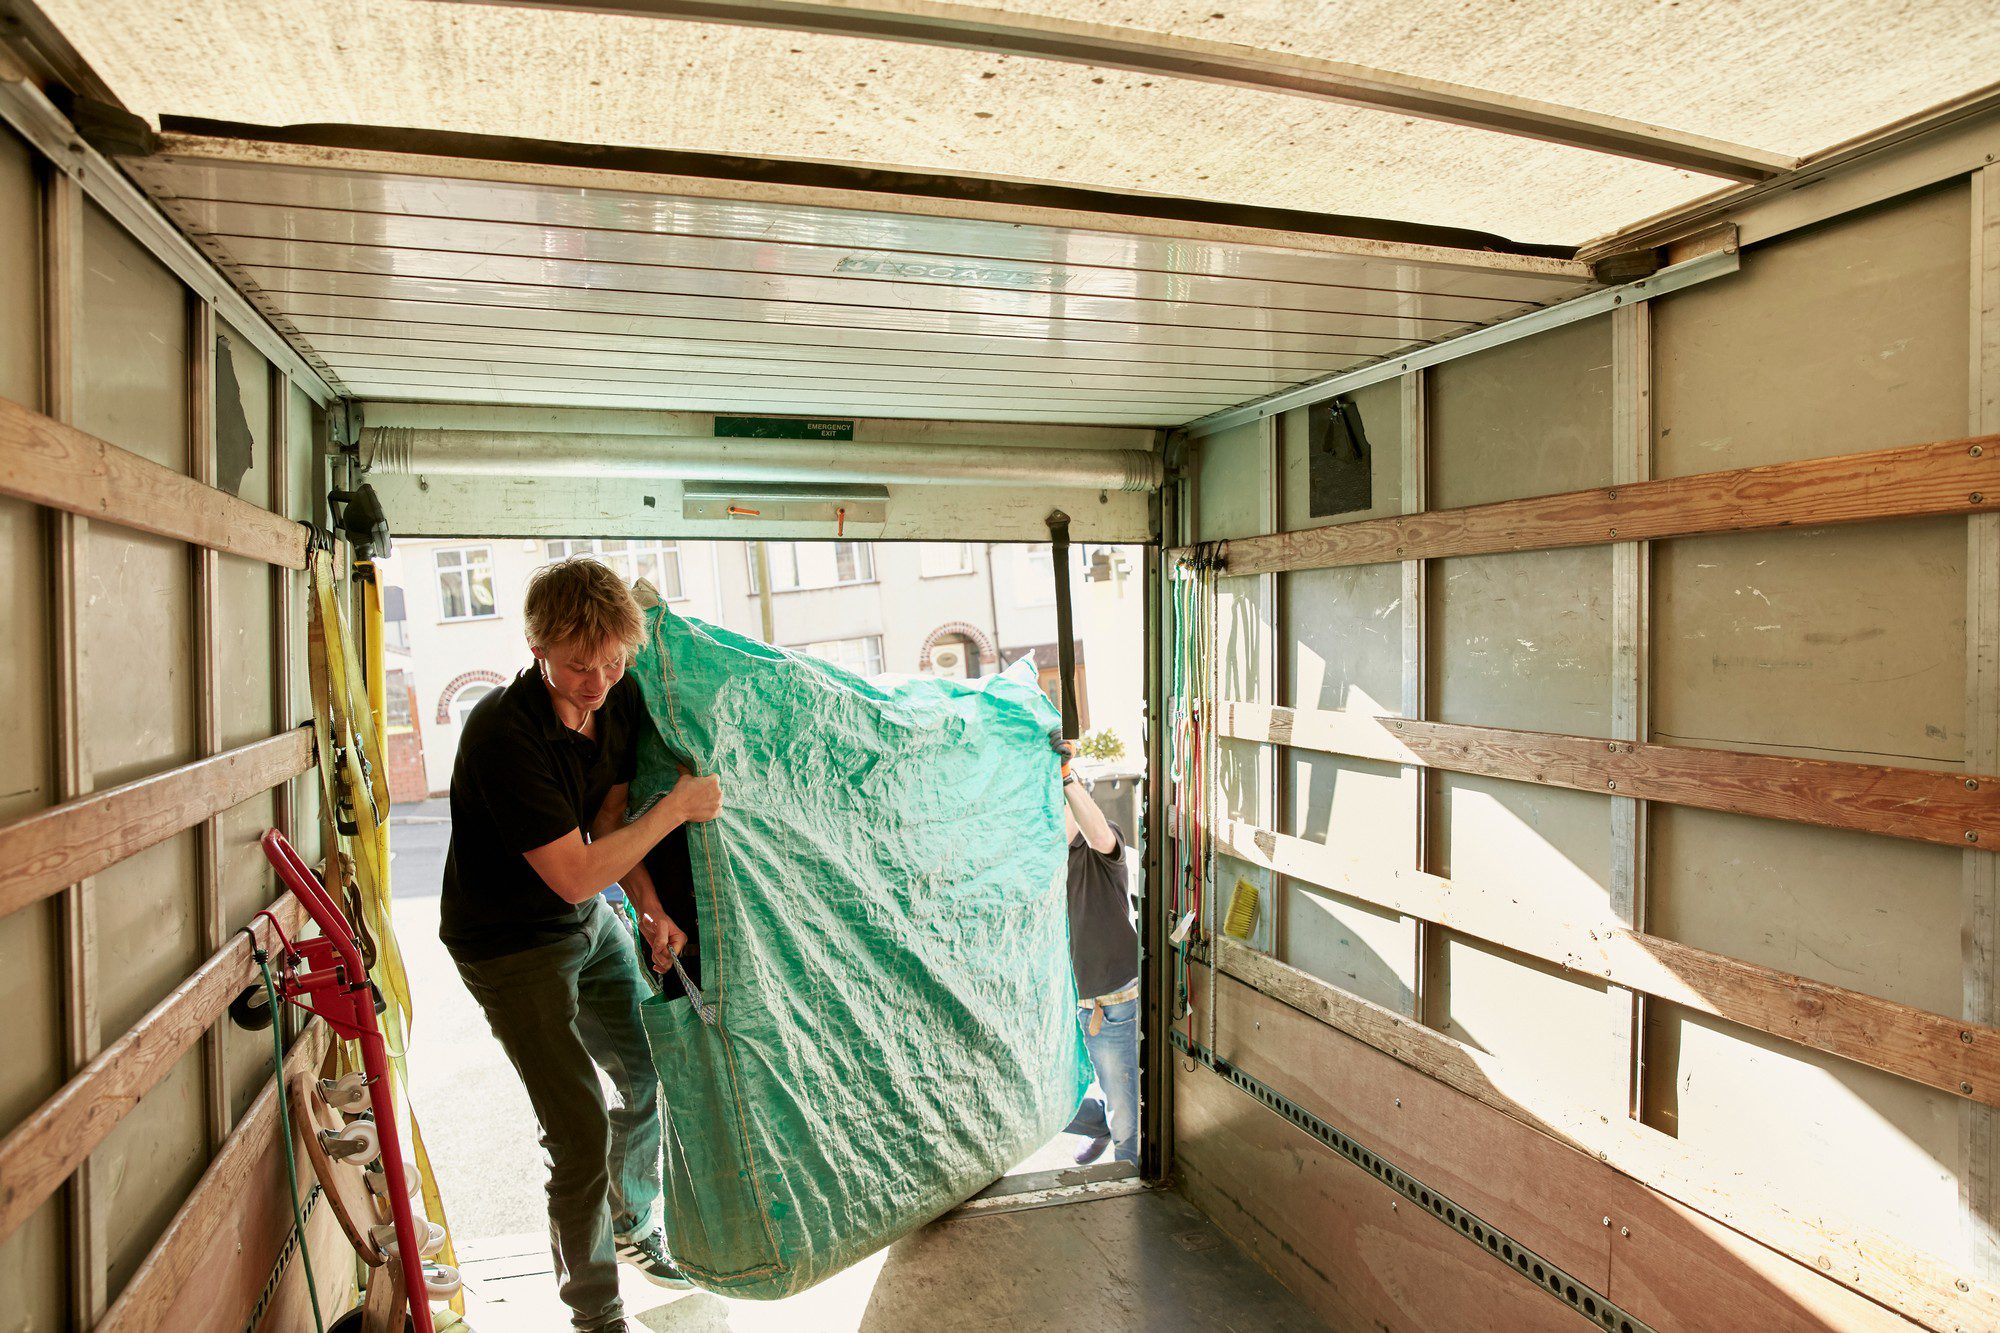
x: 561, y: 1011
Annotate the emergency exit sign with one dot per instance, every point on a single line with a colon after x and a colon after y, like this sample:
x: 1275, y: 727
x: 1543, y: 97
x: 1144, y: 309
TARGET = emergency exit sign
x: 781, y: 428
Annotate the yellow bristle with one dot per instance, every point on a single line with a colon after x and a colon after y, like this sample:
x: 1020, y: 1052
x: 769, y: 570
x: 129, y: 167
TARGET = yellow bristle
x: 1242, y: 918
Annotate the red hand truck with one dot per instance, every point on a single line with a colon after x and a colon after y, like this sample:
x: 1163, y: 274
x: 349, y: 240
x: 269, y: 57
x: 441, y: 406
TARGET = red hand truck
x: 326, y: 976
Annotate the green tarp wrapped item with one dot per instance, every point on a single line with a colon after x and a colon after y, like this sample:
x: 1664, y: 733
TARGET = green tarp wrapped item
x: 883, y: 948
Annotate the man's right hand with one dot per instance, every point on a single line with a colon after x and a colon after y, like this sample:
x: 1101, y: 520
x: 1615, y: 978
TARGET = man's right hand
x: 696, y: 800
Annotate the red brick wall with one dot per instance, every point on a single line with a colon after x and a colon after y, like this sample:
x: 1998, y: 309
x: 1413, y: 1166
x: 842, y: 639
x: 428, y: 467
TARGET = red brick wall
x: 405, y: 745
x: 407, y: 781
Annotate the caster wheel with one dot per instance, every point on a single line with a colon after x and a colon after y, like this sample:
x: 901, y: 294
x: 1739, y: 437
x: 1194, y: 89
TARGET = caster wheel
x: 441, y: 1282
x: 378, y: 1179
x: 347, y: 1094
x: 385, y: 1237
x: 357, y: 1143
x: 251, y: 1010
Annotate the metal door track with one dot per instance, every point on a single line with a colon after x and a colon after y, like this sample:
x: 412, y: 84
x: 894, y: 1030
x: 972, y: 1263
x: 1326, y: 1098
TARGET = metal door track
x: 1586, y: 1300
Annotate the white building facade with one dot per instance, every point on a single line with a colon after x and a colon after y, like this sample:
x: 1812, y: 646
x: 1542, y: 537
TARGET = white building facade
x: 960, y: 609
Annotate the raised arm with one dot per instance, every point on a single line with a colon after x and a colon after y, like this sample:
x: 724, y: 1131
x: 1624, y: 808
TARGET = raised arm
x: 1090, y: 820
x: 577, y: 870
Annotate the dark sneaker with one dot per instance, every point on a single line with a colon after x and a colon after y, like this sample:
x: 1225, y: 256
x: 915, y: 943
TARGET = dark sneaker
x: 648, y: 1254
x: 1093, y: 1150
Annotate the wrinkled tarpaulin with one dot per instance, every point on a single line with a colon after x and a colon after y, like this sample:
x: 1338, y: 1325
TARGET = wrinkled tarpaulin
x: 884, y: 939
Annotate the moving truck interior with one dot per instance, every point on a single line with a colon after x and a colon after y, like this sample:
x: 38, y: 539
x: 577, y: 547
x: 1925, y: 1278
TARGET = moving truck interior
x: 1565, y: 450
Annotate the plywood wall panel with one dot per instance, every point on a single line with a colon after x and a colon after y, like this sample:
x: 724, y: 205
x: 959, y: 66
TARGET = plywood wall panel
x: 1368, y: 811
x: 245, y: 625
x: 247, y: 885
x: 1545, y: 846
x: 131, y: 352
x: 1354, y: 946
x: 1840, y: 339
x: 1523, y: 641
x: 20, y: 273
x: 1339, y: 1238
x: 1553, y: 1025
x: 147, y: 1166
x: 1529, y: 418
x: 1838, y: 643
x: 148, y: 937
x: 1344, y: 631
x: 31, y: 1265
x: 1381, y: 410
x: 138, y: 654
x: 24, y: 578
x: 1835, y: 1136
x: 1243, y: 638
x: 302, y: 425
x: 30, y: 980
x: 1231, y: 474
x: 301, y: 436
x: 1874, y: 914
x: 246, y: 651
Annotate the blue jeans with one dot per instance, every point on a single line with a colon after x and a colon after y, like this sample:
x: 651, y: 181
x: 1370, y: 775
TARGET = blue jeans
x: 1115, y: 1053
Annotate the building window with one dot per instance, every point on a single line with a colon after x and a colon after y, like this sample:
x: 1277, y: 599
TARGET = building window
x: 861, y: 656
x: 461, y: 707
x: 937, y: 560
x: 395, y: 618
x: 1038, y: 580
x: 465, y: 583
x: 396, y: 710
x: 796, y: 565
x: 659, y: 563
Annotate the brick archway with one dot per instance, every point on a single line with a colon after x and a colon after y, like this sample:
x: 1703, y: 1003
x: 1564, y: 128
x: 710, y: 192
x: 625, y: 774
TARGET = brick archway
x: 456, y: 686
x: 981, y: 641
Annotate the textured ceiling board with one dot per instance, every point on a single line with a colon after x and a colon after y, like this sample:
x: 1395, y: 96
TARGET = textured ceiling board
x: 1789, y: 76
x: 445, y: 289
x: 652, y: 83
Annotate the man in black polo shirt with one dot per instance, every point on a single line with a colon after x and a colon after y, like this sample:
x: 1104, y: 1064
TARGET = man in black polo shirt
x: 538, y: 796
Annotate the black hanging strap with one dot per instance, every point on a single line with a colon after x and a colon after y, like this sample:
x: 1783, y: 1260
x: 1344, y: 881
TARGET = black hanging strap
x: 1065, y: 630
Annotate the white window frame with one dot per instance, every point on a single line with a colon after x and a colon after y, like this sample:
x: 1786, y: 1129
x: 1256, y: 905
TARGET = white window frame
x: 467, y: 698
x: 467, y: 560
x: 627, y: 558
x: 1033, y: 592
x: 925, y: 550
x: 785, y: 557
x: 867, y: 648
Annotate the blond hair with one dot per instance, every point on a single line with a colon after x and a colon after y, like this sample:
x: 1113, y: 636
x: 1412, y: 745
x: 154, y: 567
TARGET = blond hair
x: 581, y: 601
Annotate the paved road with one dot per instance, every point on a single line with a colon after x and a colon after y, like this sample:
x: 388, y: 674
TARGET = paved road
x: 474, y: 1114
x: 419, y: 835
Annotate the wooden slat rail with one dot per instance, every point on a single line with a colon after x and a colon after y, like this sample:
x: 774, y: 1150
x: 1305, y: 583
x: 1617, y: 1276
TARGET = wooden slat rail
x: 46, y: 462
x: 1951, y: 477
x: 44, y: 1149
x: 156, y: 1287
x: 1933, y: 1049
x: 1910, y: 1281
x: 1955, y: 809
x: 63, y: 844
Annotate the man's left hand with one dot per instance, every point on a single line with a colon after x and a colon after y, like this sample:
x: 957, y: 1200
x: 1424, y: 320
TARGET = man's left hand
x: 663, y: 938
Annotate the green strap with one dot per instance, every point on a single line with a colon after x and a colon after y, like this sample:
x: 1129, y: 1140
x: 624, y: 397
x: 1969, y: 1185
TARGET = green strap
x: 285, y: 1133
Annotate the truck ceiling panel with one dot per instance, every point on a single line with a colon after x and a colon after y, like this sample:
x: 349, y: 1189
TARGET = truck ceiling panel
x: 446, y: 289
x: 641, y: 82
x: 1789, y: 76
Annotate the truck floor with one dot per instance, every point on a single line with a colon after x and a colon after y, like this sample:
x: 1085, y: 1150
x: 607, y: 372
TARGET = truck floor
x: 1145, y: 1261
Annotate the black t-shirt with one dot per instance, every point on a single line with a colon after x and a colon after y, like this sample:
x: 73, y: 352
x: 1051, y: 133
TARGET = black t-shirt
x: 1103, y: 947
x: 523, y: 780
